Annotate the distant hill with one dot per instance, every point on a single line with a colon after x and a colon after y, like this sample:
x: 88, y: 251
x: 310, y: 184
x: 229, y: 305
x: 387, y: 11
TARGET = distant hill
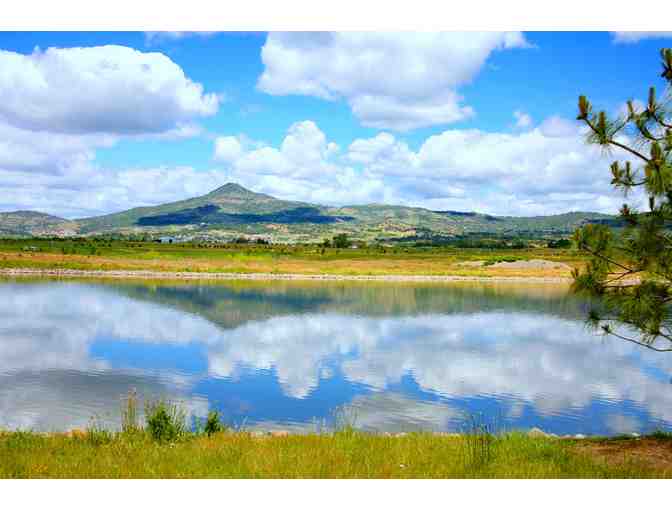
x: 232, y: 210
x: 31, y: 223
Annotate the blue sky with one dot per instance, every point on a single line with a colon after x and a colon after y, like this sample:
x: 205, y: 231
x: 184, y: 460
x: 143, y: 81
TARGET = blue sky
x: 462, y: 121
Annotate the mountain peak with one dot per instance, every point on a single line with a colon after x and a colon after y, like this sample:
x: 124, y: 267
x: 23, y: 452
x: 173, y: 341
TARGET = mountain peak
x: 231, y: 188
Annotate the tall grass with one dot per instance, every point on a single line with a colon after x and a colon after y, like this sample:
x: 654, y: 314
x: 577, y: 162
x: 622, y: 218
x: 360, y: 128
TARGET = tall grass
x: 164, y: 447
x: 339, y: 455
x: 479, y: 440
x: 130, y: 421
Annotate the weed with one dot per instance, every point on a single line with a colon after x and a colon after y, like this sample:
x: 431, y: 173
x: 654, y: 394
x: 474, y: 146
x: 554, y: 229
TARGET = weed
x: 345, y: 418
x: 479, y: 440
x: 130, y: 422
x: 97, y: 434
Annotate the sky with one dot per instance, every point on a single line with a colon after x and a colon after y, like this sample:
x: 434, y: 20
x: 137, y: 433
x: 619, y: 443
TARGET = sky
x: 99, y: 122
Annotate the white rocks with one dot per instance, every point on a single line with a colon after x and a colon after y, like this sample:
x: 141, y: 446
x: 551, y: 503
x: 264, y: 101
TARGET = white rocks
x: 579, y: 436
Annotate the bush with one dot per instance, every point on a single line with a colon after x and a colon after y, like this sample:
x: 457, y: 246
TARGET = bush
x: 560, y: 243
x: 165, y: 421
x: 341, y: 241
x: 213, y: 424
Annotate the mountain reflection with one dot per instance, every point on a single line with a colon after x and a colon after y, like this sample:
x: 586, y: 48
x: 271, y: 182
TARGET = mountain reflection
x: 400, y: 356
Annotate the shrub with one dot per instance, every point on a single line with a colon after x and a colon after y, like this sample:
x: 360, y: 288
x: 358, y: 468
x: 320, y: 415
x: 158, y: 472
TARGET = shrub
x: 213, y: 424
x: 165, y: 421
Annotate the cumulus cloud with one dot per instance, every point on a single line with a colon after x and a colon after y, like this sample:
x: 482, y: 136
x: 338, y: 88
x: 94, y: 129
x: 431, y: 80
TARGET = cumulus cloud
x: 634, y: 37
x: 103, y: 89
x: 427, y: 70
x: 305, y: 166
x: 548, y: 169
x: 47, y: 153
x: 63, y: 104
x: 227, y: 149
x: 86, y: 190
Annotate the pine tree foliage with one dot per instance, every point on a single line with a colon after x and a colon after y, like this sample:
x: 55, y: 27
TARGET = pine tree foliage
x: 630, y: 271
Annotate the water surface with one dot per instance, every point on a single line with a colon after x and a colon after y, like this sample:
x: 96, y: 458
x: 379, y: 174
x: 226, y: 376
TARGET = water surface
x: 291, y: 355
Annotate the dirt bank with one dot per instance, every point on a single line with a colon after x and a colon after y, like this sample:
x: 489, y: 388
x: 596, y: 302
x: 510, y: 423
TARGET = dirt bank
x: 76, y: 273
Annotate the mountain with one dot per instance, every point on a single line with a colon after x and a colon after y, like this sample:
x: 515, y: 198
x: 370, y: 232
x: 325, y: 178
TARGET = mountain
x: 31, y: 223
x: 232, y: 210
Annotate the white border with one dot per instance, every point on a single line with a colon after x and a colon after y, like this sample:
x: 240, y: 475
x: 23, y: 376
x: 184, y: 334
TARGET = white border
x: 332, y: 494
x: 342, y: 15
x: 208, y: 15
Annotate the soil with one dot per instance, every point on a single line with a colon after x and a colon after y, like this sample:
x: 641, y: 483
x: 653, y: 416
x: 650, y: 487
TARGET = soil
x: 650, y: 451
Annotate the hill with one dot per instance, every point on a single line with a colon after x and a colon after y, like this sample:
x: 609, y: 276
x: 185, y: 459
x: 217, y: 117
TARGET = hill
x: 232, y: 211
x: 32, y: 223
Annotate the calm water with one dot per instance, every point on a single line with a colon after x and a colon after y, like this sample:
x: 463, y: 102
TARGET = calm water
x: 285, y: 355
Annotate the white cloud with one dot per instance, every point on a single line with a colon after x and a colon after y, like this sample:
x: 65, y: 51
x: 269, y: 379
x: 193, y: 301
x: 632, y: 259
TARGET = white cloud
x: 545, y: 170
x: 49, y: 153
x: 389, y: 112
x: 559, y: 127
x: 227, y: 148
x: 634, y: 37
x: 104, y: 89
x: 83, y: 189
x: 305, y: 167
x: 61, y: 105
x: 398, y: 81
x: 523, y: 120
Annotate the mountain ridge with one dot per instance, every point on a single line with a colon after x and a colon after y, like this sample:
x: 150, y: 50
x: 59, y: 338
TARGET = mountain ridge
x: 232, y: 210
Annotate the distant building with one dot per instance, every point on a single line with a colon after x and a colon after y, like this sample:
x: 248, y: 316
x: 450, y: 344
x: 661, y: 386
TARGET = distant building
x: 166, y: 240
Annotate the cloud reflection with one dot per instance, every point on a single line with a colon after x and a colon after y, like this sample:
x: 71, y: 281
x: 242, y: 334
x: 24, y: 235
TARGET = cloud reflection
x: 520, y: 359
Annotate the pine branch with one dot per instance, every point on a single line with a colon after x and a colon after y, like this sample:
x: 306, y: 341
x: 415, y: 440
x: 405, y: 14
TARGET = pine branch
x: 643, y: 344
x: 617, y: 144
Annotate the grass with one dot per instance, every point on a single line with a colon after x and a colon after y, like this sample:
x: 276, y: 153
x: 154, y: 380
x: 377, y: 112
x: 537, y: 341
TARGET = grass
x: 343, y: 454
x: 278, y: 259
x: 166, y: 448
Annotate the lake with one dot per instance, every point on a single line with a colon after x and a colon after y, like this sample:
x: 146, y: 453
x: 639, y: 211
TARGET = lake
x: 303, y: 355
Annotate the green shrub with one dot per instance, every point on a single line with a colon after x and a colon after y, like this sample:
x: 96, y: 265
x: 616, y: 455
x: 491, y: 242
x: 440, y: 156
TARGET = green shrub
x: 165, y: 421
x: 213, y: 424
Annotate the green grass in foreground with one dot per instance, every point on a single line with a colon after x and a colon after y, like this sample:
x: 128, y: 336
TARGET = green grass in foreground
x: 343, y: 454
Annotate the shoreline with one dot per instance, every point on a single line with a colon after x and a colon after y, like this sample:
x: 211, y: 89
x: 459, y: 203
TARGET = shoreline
x: 184, y: 275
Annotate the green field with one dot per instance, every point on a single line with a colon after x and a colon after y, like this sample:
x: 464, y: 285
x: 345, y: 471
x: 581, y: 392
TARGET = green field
x: 91, y: 254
